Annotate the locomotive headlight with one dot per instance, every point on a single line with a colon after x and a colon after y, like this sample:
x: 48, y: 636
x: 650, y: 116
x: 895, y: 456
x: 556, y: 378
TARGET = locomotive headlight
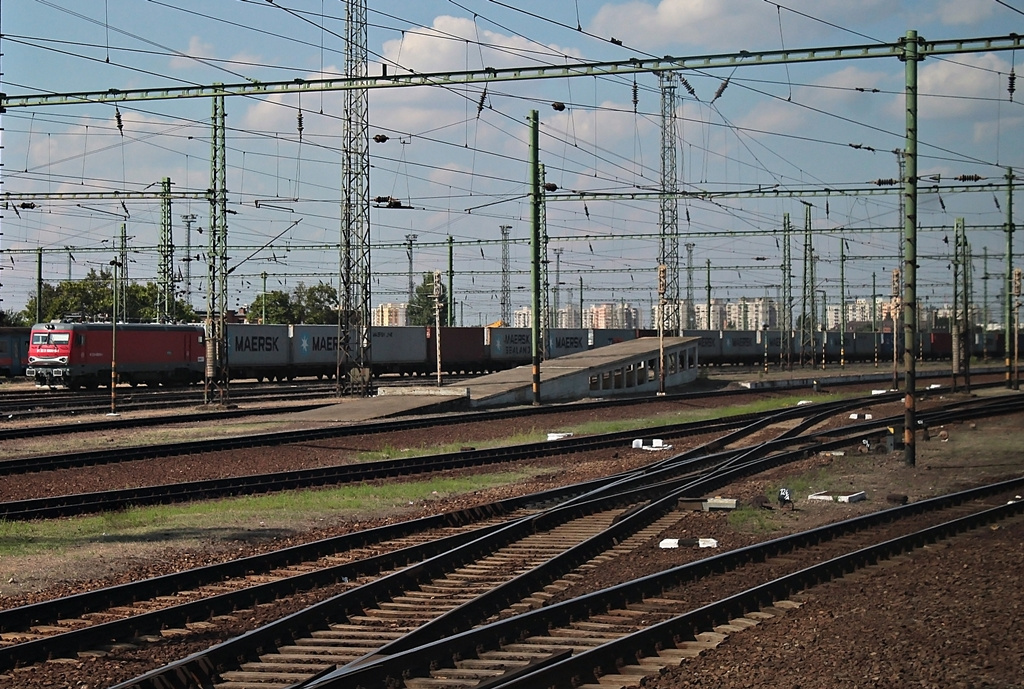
x: 63, y: 360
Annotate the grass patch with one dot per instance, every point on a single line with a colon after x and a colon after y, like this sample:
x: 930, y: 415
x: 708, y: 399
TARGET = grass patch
x: 752, y: 520
x: 639, y: 423
x: 223, y: 518
x: 392, y: 452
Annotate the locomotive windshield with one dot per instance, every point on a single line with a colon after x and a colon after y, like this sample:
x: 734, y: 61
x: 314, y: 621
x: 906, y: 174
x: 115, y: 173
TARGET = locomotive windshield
x: 41, y: 338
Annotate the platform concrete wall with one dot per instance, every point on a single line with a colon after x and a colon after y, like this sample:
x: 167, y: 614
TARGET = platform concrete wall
x: 618, y: 374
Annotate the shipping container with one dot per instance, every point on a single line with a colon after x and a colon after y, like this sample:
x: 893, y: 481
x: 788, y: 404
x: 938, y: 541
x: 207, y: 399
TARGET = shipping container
x: 258, y: 351
x: 398, y: 349
x: 511, y: 347
x: 462, y: 350
x: 563, y: 341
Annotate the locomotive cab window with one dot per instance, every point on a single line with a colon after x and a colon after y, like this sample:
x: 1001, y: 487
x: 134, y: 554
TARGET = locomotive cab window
x: 60, y: 338
x: 80, y: 340
x: 40, y: 338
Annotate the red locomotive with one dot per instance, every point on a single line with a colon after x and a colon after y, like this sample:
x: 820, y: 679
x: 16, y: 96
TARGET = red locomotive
x: 80, y: 355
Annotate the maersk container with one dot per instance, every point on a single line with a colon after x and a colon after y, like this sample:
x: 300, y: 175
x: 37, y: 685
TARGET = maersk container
x: 606, y: 336
x: 258, y: 351
x: 741, y: 347
x: 510, y: 347
x: 462, y: 350
x: 314, y: 349
x: 563, y: 341
x: 400, y: 349
x: 709, y: 346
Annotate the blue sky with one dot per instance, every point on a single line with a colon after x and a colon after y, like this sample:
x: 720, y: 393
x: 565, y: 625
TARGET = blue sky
x: 462, y: 167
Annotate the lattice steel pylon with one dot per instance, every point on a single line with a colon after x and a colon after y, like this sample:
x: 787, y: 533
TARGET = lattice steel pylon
x: 786, y: 321
x: 669, y: 207
x: 809, y: 317
x: 961, y: 321
x: 506, y: 285
x: 165, y: 265
x: 217, y: 261
x: 691, y: 304
x: 354, y: 261
x: 545, y: 278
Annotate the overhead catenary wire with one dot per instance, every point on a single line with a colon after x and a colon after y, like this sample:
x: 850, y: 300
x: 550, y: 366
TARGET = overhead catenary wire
x: 405, y: 162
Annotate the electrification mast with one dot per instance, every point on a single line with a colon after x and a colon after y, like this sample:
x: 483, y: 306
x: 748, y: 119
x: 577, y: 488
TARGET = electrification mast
x: 807, y: 308
x: 165, y: 267
x: 787, y: 291
x: 669, y: 208
x: 354, y: 263
x: 691, y: 316
x: 217, y: 262
x: 506, y: 283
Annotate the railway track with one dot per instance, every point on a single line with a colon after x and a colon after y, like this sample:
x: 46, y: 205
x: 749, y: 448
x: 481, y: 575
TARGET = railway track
x: 446, y: 622
x: 616, y: 636
x: 41, y: 403
x: 38, y: 631
x: 68, y: 505
x: 130, y: 422
x: 513, y: 557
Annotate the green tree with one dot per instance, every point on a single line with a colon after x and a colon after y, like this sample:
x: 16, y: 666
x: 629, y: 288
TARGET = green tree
x: 92, y: 298
x: 277, y: 306
x: 421, y: 310
x: 316, y: 305
x: 88, y: 298
x: 9, y: 318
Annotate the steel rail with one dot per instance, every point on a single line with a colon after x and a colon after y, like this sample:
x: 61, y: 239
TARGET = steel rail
x: 627, y: 488
x: 374, y: 426
x: 631, y: 521
x: 605, y: 659
x: 655, y: 500
x: 69, y: 505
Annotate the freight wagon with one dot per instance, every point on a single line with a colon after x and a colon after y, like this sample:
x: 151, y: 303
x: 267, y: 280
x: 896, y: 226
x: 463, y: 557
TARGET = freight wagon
x: 13, y: 351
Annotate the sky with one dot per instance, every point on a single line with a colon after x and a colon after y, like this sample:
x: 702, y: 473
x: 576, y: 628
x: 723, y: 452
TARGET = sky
x: 457, y: 156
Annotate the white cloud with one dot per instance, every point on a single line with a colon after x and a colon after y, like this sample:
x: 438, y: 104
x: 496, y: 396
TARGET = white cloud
x: 713, y: 23
x: 948, y: 88
x: 448, y: 45
x: 990, y: 131
x: 197, y: 48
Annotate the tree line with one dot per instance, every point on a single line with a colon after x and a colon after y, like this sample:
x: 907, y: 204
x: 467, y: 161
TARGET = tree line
x: 92, y: 299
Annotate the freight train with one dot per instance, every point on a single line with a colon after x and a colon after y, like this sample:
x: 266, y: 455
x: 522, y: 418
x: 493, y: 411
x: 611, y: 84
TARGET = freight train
x: 732, y: 347
x: 79, y: 355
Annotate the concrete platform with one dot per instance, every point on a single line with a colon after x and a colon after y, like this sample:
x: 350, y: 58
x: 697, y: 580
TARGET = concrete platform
x: 356, y: 409
x: 624, y: 368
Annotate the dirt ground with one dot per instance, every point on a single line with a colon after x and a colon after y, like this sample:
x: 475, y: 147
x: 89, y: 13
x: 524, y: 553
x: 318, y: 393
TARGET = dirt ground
x: 940, y: 618
x: 970, y: 454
